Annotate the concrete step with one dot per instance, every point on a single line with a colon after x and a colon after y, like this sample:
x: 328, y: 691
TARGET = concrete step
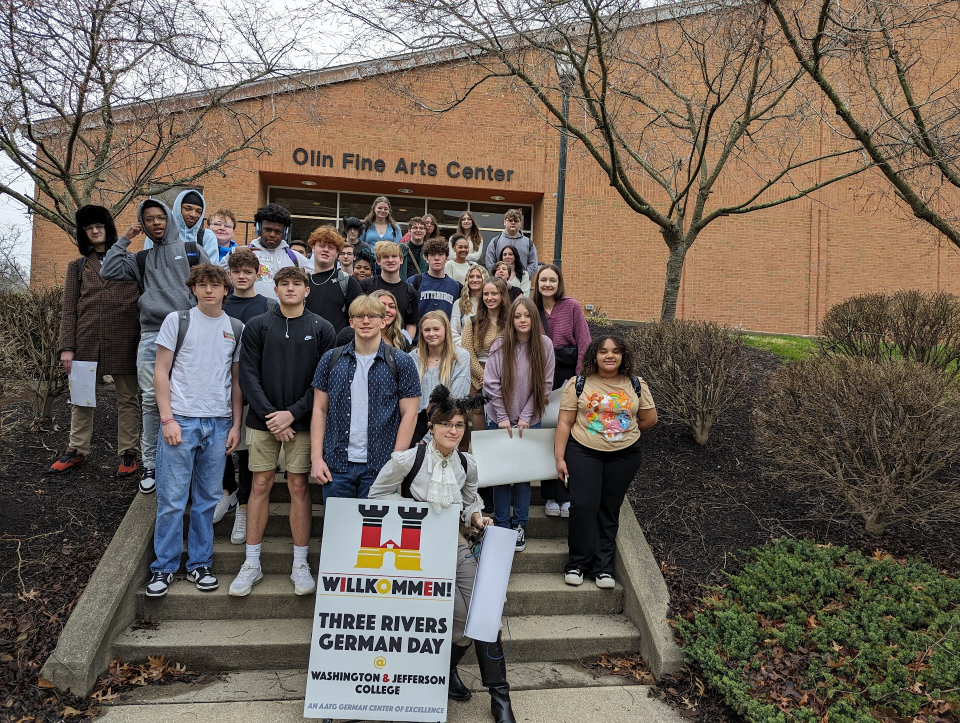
x: 280, y: 644
x: 273, y: 597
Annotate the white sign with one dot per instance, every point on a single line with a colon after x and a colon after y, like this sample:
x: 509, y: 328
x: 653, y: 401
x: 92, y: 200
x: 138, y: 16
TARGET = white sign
x: 551, y: 414
x: 83, y: 384
x: 380, y: 648
x: 503, y: 460
x: 490, y: 587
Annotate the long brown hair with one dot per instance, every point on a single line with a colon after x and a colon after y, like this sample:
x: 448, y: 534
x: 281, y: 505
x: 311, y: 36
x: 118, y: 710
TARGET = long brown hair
x: 536, y: 355
x: 476, y: 240
x: 371, y: 217
x: 448, y: 355
x: 436, y: 227
x: 484, y: 319
x: 535, y: 285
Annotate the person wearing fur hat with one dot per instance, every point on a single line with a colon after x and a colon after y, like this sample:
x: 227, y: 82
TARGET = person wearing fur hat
x: 444, y: 477
x: 101, y: 323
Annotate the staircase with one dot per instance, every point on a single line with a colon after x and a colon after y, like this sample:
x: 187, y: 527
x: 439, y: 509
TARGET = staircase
x: 549, y: 626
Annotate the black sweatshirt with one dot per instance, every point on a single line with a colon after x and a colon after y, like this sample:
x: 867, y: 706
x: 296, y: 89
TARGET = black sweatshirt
x: 278, y: 358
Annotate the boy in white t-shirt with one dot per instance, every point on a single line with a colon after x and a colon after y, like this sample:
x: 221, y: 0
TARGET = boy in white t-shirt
x: 200, y: 405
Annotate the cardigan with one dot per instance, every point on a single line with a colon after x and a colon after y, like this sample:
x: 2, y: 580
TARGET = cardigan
x: 476, y: 362
x: 459, y: 385
x: 520, y: 404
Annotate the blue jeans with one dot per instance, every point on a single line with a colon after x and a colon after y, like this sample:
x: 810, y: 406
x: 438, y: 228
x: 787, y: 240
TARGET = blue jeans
x: 146, y: 360
x: 189, y: 471
x: 355, y: 482
x: 521, y: 498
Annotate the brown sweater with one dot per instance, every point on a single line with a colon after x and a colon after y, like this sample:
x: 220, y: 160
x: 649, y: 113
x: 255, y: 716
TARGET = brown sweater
x: 466, y: 341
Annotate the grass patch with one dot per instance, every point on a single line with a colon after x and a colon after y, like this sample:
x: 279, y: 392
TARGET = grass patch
x: 788, y: 348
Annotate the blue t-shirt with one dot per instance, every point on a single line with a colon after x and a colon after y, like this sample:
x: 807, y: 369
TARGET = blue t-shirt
x: 436, y: 294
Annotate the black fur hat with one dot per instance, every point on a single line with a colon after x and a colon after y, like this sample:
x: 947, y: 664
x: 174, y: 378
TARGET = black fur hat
x: 442, y: 402
x: 89, y: 215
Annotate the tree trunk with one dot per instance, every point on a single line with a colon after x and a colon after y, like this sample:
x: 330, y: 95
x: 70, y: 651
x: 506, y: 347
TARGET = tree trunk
x: 671, y: 286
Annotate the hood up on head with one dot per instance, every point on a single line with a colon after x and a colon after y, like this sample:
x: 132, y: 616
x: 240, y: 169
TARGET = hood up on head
x: 170, y: 234
x: 89, y: 215
x: 189, y: 233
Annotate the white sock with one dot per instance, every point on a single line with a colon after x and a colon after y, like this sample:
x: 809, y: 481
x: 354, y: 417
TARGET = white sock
x: 253, y: 555
x: 242, y: 511
x: 300, y: 554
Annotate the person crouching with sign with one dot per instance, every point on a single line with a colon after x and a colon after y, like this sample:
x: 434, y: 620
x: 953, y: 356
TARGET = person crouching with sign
x: 437, y: 473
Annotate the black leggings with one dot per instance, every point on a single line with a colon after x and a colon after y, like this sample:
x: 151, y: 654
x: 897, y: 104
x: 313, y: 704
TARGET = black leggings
x: 246, y: 476
x: 598, y: 484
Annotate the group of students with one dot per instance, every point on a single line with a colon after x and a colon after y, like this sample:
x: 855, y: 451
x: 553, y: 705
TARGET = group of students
x: 361, y: 383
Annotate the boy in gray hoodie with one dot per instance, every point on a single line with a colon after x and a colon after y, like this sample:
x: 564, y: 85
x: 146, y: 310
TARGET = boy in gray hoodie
x: 161, y: 272
x: 189, y: 210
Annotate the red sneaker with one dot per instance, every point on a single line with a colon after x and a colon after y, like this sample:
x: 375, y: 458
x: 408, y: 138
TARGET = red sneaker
x: 67, y: 462
x: 128, y: 464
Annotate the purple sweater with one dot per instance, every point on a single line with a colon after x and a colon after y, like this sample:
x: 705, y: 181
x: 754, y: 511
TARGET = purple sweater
x: 520, y: 404
x: 568, y: 326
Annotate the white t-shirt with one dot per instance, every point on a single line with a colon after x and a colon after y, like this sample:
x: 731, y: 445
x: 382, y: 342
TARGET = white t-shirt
x: 359, y: 412
x: 200, y: 382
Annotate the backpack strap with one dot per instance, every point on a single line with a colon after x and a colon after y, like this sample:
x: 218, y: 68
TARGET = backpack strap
x: 272, y: 304
x: 580, y: 383
x: 390, y: 357
x: 637, y: 387
x: 343, y: 278
x: 292, y: 255
x: 183, y: 323
x: 416, y: 282
x: 237, y: 327
x: 417, y: 464
x: 335, y: 357
x: 141, y: 259
x: 81, y: 262
x: 193, y: 252
x: 463, y: 460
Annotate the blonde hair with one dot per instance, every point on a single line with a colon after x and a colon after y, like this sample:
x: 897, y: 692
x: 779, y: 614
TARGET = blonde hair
x: 466, y: 301
x: 386, y: 248
x: 392, y: 333
x: 367, y: 305
x: 448, y: 356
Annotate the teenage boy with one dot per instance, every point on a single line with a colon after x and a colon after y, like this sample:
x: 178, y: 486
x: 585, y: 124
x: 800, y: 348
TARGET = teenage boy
x: 373, y: 392
x: 273, y: 223
x: 243, y: 303
x: 389, y: 258
x: 511, y: 236
x: 160, y: 272
x: 352, y: 228
x: 302, y: 248
x: 281, y: 350
x: 200, y: 409
x: 223, y: 223
x: 188, y: 211
x: 436, y: 291
x: 346, y: 257
x: 332, y: 289
x: 413, y: 261
x: 100, y: 323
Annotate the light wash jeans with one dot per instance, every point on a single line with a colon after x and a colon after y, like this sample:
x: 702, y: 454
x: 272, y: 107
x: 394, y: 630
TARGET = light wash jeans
x: 189, y: 471
x: 502, y: 494
x: 146, y: 360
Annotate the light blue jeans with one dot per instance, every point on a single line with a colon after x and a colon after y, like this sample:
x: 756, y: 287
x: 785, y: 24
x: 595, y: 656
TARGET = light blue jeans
x: 189, y: 471
x: 502, y: 494
x: 146, y: 360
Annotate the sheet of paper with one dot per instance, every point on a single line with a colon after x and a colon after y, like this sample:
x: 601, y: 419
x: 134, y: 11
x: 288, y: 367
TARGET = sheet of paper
x: 502, y: 460
x: 552, y: 413
x: 490, y: 585
x: 83, y: 384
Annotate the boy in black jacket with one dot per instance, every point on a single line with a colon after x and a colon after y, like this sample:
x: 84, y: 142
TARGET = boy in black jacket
x: 278, y: 357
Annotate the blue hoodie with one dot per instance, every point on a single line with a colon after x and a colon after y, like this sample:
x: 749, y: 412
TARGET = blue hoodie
x: 209, y: 240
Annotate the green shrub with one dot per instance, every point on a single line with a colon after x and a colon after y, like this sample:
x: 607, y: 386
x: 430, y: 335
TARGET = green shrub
x: 695, y: 370
x: 882, y: 437
x: 808, y: 632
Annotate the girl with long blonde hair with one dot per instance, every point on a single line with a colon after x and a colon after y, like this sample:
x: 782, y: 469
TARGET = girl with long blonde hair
x: 393, y: 331
x: 466, y: 307
x: 439, y: 361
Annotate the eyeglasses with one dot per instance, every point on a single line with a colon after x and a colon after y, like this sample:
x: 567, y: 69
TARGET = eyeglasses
x: 94, y: 227
x: 154, y: 219
x: 459, y: 426
x: 361, y: 317
x: 346, y: 253
x: 221, y: 224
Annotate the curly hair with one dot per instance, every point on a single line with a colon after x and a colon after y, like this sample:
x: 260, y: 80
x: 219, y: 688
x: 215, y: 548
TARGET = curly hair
x: 243, y: 258
x: 209, y: 273
x: 436, y: 246
x: 274, y: 213
x: 628, y: 364
x: 326, y: 234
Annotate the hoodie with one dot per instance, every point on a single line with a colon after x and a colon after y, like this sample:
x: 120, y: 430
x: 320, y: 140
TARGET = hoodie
x: 207, y: 240
x: 271, y: 261
x: 165, y: 274
x: 89, y: 215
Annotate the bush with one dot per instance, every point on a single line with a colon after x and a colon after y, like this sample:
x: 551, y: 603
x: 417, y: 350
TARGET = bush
x: 922, y: 326
x: 881, y: 437
x: 29, y: 336
x: 695, y: 369
x: 810, y: 632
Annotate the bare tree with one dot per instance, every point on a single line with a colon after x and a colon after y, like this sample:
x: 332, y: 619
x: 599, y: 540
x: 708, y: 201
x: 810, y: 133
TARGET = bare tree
x: 13, y: 275
x: 104, y: 101
x: 689, y: 109
x: 888, y: 70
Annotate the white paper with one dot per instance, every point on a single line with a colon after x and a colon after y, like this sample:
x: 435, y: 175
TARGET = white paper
x: 83, y: 384
x: 502, y: 460
x: 490, y: 586
x: 551, y: 414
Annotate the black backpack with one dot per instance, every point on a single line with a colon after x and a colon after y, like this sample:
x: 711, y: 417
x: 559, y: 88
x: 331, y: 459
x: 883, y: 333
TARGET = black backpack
x: 418, y: 463
x: 183, y: 323
x: 190, y: 247
x: 389, y: 356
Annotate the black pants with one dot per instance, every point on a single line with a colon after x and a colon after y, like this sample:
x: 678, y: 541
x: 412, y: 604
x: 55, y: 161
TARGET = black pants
x: 554, y: 489
x: 246, y: 476
x: 598, y: 484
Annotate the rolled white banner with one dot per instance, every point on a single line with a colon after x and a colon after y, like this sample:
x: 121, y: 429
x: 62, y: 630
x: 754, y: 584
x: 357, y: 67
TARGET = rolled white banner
x: 490, y: 584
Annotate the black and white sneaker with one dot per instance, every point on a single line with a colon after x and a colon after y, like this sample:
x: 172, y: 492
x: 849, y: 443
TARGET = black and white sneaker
x: 159, y: 584
x: 521, y: 538
x: 203, y: 578
x: 148, y: 483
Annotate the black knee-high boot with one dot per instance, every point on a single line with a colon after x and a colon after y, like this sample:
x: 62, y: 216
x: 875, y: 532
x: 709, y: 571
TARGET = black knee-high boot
x: 456, y: 690
x: 493, y: 674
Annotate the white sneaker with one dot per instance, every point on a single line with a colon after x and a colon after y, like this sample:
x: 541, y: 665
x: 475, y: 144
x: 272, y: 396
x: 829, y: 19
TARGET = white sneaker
x: 565, y: 509
x: 605, y: 581
x: 303, y: 582
x: 245, y: 580
x: 551, y: 509
x: 574, y: 577
x: 224, y: 505
x: 239, y: 534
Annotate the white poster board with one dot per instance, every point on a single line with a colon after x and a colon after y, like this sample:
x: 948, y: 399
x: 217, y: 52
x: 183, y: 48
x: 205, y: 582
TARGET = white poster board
x: 380, y: 648
x: 551, y: 414
x: 83, y: 384
x: 504, y: 460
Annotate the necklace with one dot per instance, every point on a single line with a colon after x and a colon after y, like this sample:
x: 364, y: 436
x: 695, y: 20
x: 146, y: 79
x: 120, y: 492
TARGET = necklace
x: 331, y: 277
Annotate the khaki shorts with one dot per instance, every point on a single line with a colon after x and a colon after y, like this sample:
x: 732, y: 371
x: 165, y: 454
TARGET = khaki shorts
x: 265, y: 451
